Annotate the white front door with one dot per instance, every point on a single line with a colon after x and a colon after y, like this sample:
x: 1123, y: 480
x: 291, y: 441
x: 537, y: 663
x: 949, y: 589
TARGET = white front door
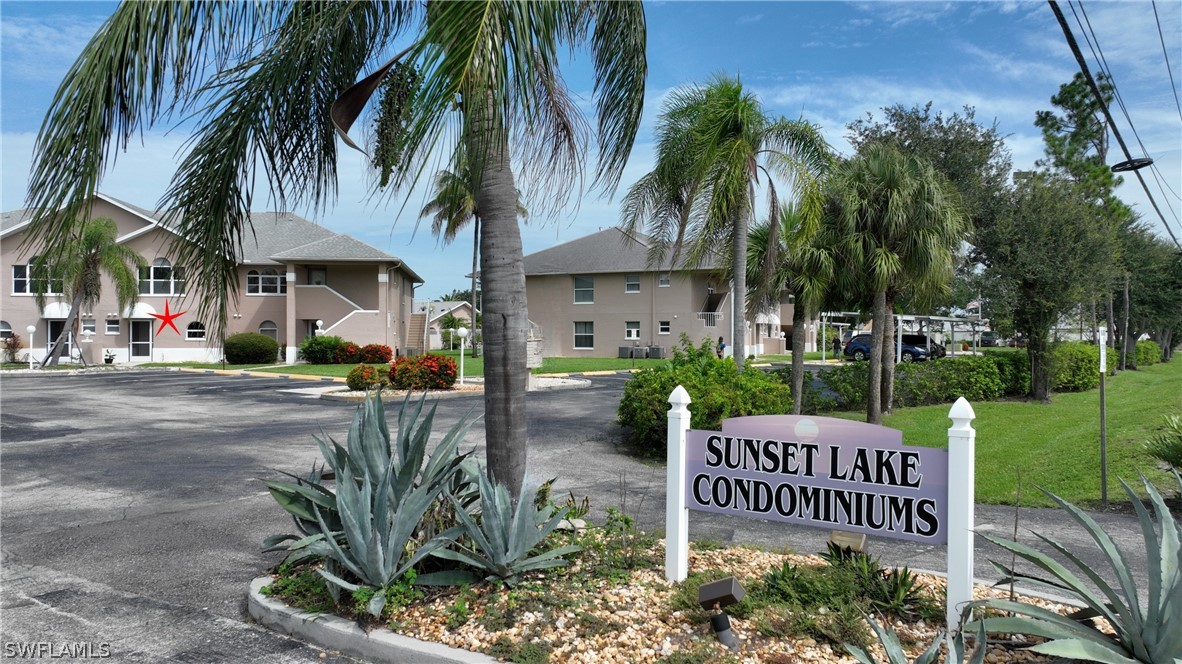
x: 141, y: 339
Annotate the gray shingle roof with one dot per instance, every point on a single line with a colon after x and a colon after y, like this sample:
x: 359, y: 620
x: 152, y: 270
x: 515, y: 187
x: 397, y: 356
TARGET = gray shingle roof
x: 609, y: 250
x: 276, y: 233
x: 14, y: 218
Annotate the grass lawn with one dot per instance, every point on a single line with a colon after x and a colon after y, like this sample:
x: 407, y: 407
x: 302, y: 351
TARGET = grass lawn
x: 1057, y: 445
x: 787, y: 357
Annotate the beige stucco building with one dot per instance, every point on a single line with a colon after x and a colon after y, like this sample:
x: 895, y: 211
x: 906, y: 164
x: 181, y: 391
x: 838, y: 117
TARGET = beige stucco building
x: 598, y: 296
x: 292, y: 274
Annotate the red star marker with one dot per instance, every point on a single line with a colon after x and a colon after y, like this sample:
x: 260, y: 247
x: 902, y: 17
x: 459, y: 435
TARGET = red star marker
x: 166, y: 318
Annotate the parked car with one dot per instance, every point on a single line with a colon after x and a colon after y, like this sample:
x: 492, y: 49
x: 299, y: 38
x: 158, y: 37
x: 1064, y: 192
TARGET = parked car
x: 859, y: 349
x: 935, y: 350
x: 988, y: 339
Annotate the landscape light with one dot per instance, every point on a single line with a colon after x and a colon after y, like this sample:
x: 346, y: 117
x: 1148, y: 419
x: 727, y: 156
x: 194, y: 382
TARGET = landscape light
x: 714, y: 597
x: 32, y: 329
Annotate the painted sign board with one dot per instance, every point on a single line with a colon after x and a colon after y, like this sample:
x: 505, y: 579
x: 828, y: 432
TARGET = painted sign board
x: 820, y: 471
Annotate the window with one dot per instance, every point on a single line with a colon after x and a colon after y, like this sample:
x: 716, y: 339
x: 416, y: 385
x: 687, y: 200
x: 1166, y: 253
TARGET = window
x: 195, y: 331
x: 267, y: 282
x: 663, y: 280
x: 270, y: 329
x: 113, y: 326
x: 28, y: 277
x: 161, y: 278
x: 88, y: 325
x: 632, y: 329
x: 663, y: 327
x: 632, y: 283
x: 5, y: 330
x: 584, y: 335
x: 584, y: 290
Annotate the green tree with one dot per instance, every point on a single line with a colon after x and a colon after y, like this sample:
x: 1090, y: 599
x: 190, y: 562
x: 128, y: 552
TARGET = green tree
x: 900, y: 224
x: 802, y: 266
x: 78, y: 266
x: 715, y: 146
x: 1056, y: 239
x: 478, y: 79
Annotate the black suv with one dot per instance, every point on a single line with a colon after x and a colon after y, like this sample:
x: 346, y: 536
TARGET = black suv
x: 934, y: 349
x: 859, y: 348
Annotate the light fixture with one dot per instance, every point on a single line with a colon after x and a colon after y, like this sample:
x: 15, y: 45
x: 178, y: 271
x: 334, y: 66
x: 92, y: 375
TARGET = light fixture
x: 31, y: 329
x: 463, y: 334
x: 319, y: 328
x: 714, y: 597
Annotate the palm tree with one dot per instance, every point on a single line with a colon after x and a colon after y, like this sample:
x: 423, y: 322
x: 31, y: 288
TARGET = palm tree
x: 453, y: 206
x: 483, y: 77
x: 715, y: 146
x: 801, y: 266
x: 78, y: 266
x: 900, y: 225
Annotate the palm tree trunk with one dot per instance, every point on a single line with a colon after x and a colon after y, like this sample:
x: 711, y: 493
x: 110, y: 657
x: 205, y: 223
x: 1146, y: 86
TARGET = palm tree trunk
x: 874, y: 389
x: 739, y: 288
x: 799, y: 320
x: 475, y: 265
x: 889, y: 356
x: 506, y: 320
x: 60, y: 345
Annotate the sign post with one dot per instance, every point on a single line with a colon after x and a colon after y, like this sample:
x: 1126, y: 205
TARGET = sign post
x: 962, y: 455
x: 827, y: 473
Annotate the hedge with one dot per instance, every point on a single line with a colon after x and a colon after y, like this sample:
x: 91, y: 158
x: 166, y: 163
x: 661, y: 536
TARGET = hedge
x: 250, y: 348
x: 1148, y: 352
x: 426, y: 372
x: 376, y: 354
x: 320, y: 349
x: 1075, y: 366
x: 363, y: 377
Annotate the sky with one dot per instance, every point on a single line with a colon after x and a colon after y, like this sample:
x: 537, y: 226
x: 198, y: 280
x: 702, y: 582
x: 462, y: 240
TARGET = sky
x: 828, y: 62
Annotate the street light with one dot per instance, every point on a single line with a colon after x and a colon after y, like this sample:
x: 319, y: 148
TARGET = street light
x: 463, y: 333
x: 1102, y: 339
x: 32, y: 329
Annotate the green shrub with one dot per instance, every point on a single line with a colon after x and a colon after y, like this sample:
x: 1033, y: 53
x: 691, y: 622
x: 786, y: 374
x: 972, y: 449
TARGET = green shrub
x: 363, y: 377
x: 944, y: 381
x: 1167, y: 443
x: 848, y: 384
x: 1148, y: 352
x: 376, y: 354
x: 250, y: 348
x: 320, y: 350
x: 1014, y: 370
x: 426, y: 372
x: 717, y: 391
x: 1075, y: 366
x: 812, y: 400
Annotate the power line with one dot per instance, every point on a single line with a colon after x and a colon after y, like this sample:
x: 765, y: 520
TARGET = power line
x: 1098, y: 53
x: 1166, y: 53
x: 1083, y: 65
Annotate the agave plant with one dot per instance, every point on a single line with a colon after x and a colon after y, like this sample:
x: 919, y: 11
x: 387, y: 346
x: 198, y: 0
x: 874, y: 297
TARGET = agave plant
x: 373, y: 525
x: 895, y: 654
x: 501, y: 539
x: 1147, y: 626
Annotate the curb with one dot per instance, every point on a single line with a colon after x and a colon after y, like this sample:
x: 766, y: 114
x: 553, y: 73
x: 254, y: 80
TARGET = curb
x: 335, y: 633
x: 262, y: 374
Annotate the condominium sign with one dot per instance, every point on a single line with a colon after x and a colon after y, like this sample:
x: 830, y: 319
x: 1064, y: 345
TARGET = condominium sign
x: 819, y: 471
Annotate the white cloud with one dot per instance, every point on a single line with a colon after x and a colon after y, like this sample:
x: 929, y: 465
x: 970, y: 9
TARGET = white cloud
x: 41, y: 49
x: 749, y: 18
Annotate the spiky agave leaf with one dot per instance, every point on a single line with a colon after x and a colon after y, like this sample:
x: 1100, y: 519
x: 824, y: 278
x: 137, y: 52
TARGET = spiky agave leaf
x: 1152, y: 636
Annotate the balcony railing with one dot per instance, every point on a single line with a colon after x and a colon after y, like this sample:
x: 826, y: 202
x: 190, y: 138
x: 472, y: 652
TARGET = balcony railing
x: 709, y: 318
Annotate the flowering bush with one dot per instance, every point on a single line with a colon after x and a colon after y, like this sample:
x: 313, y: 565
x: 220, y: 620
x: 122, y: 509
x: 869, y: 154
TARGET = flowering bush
x: 428, y: 372
x: 363, y: 377
x: 347, y: 353
x: 376, y: 354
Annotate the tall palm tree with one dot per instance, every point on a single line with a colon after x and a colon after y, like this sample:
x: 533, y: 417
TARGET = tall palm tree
x: 900, y: 224
x: 715, y: 146
x: 452, y: 208
x: 485, y: 78
x: 79, y: 266
x: 802, y: 266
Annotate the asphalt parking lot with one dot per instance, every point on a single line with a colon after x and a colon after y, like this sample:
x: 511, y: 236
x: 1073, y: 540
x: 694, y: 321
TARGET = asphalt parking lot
x: 133, y: 512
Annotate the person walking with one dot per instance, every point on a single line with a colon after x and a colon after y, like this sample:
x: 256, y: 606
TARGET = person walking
x: 721, y: 348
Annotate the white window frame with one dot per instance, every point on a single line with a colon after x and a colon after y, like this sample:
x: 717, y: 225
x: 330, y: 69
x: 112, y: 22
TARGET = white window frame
x: 578, y: 334
x: 588, y: 287
x: 89, y: 324
x: 664, y: 327
x: 113, y: 327
x: 270, y: 327
x: 5, y: 330
x: 663, y: 280
x: 161, y: 278
x: 26, y: 280
x: 265, y: 282
x: 195, y: 333
x: 632, y: 330
x: 631, y: 283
